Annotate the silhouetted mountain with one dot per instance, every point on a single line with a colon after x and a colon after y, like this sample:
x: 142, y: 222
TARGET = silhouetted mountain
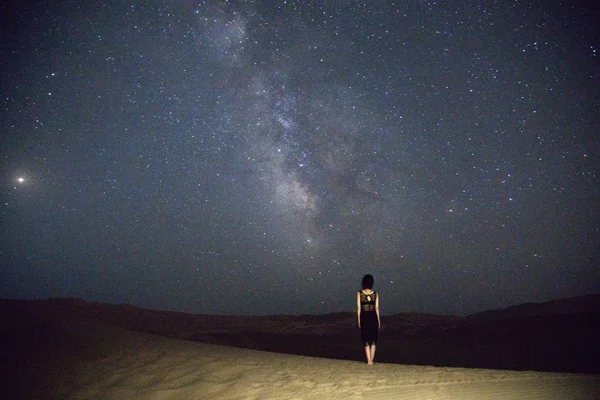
x: 559, y: 335
x: 571, y: 305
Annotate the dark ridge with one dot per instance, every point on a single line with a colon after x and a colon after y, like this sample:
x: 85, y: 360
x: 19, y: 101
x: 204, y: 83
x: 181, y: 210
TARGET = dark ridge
x: 560, y: 335
x: 571, y: 305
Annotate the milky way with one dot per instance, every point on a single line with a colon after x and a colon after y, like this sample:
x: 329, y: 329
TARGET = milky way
x: 259, y: 157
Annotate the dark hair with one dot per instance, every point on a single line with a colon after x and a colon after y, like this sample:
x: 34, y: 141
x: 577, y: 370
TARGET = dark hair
x: 367, y: 282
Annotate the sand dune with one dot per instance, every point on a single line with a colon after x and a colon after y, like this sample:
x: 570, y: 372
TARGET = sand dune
x: 88, y: 360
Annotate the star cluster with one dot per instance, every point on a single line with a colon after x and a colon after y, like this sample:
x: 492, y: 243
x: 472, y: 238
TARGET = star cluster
x: 259, y: 157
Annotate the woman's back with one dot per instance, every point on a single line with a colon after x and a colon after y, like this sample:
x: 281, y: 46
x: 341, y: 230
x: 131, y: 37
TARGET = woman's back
x: 367, y: 300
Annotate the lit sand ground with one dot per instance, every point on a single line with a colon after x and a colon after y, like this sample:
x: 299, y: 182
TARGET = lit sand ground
x: 109, y: 363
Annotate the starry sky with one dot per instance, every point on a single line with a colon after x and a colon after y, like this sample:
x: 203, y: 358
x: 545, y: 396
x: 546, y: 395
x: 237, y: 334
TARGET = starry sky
x: 260, y: 157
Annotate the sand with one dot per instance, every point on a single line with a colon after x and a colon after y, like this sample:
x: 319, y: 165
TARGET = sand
x: 85, y: 360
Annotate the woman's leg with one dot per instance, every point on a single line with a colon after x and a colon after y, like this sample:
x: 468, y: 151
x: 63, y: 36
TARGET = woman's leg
x: 373, y: 347
x: 369, y: 351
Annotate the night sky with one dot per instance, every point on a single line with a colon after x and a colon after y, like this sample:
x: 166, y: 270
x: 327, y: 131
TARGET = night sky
x: 260, y: 157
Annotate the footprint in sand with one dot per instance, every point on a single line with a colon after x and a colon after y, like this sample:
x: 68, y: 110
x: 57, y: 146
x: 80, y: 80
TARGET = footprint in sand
x: 303, y: 383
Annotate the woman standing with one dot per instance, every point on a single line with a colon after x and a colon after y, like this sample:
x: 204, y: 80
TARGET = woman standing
x: 367, y: 308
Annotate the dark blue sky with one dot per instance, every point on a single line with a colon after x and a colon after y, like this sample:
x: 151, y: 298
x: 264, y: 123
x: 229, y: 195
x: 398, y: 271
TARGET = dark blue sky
x: 259, y: 157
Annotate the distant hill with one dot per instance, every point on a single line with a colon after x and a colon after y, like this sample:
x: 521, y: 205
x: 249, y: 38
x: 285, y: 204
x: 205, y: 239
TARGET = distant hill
x: 559, y: 335
x: 571, y: 305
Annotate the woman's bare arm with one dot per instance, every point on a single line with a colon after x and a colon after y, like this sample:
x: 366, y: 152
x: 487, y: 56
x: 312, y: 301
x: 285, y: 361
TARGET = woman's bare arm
x: 377, y: 309
x: 358, y: 307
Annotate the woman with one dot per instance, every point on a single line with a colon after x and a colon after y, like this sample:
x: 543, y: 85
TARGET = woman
x: 367, y: 308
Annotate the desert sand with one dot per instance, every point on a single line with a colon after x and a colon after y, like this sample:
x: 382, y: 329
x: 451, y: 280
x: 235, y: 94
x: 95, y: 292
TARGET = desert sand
x: 91, y: 360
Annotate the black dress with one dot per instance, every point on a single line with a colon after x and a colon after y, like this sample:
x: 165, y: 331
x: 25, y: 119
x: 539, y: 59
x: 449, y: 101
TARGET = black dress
x: 369, y: 324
